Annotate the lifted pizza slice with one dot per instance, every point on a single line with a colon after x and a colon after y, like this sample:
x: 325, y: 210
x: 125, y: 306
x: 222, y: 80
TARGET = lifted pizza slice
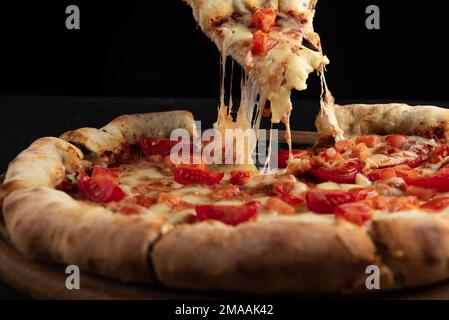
x: 276, y: 45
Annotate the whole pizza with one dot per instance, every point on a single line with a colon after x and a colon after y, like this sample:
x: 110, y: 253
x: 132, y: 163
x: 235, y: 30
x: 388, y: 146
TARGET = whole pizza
x: 373, y: 191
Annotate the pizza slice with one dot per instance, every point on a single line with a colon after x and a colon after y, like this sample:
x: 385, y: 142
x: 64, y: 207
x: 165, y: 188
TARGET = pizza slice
x: 276, y: 45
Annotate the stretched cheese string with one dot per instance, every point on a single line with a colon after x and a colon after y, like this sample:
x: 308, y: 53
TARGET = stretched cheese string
x: 327, y: 103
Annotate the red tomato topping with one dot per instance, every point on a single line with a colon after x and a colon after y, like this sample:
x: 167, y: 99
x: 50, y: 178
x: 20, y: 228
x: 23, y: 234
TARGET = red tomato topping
x: 262, y: 43
x: 357, y: 212
x: 421, y: 193
x: 436, y: 204
x: 395, y: 204
x: 370, y: 141
x: 240, y: 178
x: 231, y: 215
x: 153, y: 147
x: 279, y: 206
x: 382, y: 174
x: 283, y: 157
x: 415, y: 163
x: 283, y: 190
x: 396, y: 141
x: 197, y: 175
x: 438, y: 181
x: 263, y: 19
x: 102, y: 190
x: 325, y: 201
x: 345, y: 173
x: 439, y: 153
x: 104, y: 173
x: 344, y: 145
x: 145, y: 201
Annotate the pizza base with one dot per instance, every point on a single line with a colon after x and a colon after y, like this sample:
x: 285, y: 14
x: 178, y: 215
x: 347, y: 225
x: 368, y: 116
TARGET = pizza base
x: 301, y: 254
x: 64, y: 230
x: 265, y: 258
x: 386, y: 119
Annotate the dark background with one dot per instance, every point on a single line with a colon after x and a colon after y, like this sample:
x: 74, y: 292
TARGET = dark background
x: 153, y: 48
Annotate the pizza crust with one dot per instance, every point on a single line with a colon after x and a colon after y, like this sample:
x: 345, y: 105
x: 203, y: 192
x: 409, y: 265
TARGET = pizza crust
x: 386, y: 119
x: 415, y: 246
x: 265, y: 257
x: 44, y: 163
x: 100, y: 145
x: 47, y: 224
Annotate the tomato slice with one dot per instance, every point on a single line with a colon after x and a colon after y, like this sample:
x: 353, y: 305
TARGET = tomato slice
x: 153, y: 147
x: 357, y: 212
x: 342, y: 174
x: 187, y: 175
x: 263, y: 19
x: 240, y: 178
x: 439, y: 153
x: 262, y: 43
x: 396, y: 140
x: 436, y: 204
x: 382, y: 174
x: 231, y: 215
x: 325, y: 201
x: 438, y: 181
x: 370, y: 141
x: 104, y: 173
x: 283, y: 191
x: 99, y: 190
x: 283, y: 157
x: 279, y: 206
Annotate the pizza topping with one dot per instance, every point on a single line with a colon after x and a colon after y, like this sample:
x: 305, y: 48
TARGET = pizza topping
x: 396, y: 141
x: 285, y: 193
x: 421, y: 193
x: 262, y: 43
x: 321, y: 201
x: 279, y: 206
x: 357, y: 212
x: 145, y: 201
x: 284, y: 157
x: 240, y: 178
x: 99, y: 188
x: 231, y: 215
x: 263, y: 19
x: 438, y: 204
x: 153, y: 147
x: 187, y: 175
x: 226, y: 192
x: 395, y: 204
x: 370, y: 141
x: 344, y: 145
x: 439, y: 153
x: 345, y: 173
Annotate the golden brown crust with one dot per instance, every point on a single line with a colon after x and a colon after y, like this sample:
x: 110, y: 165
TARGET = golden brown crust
x: 265, y: 257
x: 415, y: 246
x: 44, y: 163
x: 386, y: 119
x: 46, y: 223
x: 102, y: 144
x: 59, y: 228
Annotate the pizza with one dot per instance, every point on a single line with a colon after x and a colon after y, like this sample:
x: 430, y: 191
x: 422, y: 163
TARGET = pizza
x: 130, y: 202
x: 111, y: 201
x: 275, y: 43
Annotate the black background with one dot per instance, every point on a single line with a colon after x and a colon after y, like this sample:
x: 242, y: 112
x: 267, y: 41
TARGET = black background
x: 153, y: 48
